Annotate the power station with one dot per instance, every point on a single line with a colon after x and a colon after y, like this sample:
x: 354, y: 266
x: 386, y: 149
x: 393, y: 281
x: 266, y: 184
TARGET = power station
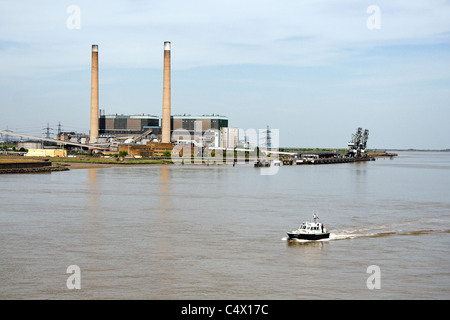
x: 154, y: 136
x: 148, y: 135
x: 141, y: 129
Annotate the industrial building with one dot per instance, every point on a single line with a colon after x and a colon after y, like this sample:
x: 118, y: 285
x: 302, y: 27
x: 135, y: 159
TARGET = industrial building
x: 73, y: 137
x: 150, y: 149
x: 207, y: 126
x: 207, y: 122
x: 204, y: 129
x: 46, y: 153
x: 125, y: 125
x: 29, y: 145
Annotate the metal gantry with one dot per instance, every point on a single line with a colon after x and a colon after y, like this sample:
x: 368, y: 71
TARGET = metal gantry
x: 358, y: 144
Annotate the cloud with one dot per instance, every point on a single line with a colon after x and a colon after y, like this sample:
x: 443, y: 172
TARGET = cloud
x: 131, y: 33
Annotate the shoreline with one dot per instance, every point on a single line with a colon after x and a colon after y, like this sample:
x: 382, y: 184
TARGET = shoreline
x: 89, y: 164
x: 67, y: 166
x: 11, y: 165
x: 47, y: 169
x: 84, y: 165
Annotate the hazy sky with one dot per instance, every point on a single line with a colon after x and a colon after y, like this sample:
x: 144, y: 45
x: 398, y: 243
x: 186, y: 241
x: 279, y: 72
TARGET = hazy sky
x: 316, y: 70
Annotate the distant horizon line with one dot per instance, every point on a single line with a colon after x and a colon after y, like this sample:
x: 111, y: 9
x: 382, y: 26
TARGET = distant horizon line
x: 374, y: 149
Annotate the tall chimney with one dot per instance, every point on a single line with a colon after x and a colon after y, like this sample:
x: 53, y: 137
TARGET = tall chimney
x: 94, y: 95
x: 165, y: 125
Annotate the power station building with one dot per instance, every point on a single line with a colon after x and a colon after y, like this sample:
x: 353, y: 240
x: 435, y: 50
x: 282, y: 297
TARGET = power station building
x: 204, y: 122
x: 208, y: 126
x: 204, y: 130
x: 125, y: 125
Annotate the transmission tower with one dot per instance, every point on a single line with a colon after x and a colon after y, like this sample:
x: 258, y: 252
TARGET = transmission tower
x: 267, y: 137
x: 47, y: 131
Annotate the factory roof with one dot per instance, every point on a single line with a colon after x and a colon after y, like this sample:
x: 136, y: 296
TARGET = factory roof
x: 128, y: 116
x: 204, y: 116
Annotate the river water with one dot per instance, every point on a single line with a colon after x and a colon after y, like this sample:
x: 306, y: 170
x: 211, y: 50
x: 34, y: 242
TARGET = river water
x: 219, y: 232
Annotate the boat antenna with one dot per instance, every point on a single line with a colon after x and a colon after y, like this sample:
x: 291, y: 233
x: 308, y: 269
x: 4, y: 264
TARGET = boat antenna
x: 315, y: 216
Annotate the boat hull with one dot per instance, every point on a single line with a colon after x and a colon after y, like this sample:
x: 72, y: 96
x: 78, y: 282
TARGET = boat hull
x: 306, y: 236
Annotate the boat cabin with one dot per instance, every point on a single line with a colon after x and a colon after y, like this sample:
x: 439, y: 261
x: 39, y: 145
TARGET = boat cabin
x: 312, y: 227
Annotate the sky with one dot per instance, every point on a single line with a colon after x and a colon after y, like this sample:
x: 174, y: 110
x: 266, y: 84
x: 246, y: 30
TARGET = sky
x: 316, y: 70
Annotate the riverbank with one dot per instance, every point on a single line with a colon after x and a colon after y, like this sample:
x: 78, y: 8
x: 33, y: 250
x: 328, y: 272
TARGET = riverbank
x: 19, y: 164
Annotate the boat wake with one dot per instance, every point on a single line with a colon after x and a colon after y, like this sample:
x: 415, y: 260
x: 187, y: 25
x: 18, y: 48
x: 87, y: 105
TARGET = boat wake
x: 382, y: 234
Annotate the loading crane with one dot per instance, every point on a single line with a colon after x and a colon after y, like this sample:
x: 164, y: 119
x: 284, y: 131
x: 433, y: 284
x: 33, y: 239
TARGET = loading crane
x: 358, y: 144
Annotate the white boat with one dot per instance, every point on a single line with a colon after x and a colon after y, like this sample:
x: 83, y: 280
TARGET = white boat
x: 313, y: 230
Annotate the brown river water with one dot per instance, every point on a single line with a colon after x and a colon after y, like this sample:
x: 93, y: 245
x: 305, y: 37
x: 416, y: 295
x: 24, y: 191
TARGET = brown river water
x: 219, y: 232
